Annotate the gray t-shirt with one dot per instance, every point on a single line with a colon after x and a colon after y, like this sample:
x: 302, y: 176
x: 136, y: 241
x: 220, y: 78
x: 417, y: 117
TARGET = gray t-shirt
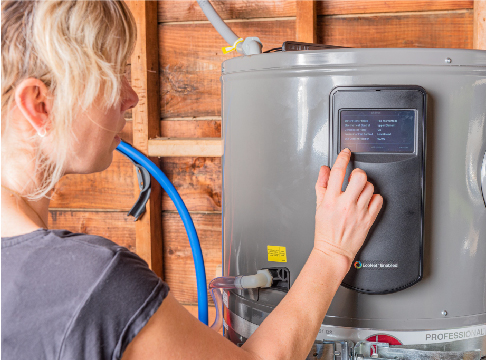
x: 73, y: 296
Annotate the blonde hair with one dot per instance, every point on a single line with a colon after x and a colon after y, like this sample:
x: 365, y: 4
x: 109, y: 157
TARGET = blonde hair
x: 75, y: 48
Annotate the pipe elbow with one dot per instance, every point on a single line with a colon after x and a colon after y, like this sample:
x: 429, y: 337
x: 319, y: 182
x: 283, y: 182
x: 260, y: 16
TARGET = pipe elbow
x: 251, y: 46
x: 262, y: 279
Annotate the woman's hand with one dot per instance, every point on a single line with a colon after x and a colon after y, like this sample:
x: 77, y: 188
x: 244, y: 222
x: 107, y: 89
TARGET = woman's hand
x: 343, y: 219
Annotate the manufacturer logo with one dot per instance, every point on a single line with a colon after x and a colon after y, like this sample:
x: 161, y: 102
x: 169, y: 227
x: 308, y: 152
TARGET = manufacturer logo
x: 375, y: 265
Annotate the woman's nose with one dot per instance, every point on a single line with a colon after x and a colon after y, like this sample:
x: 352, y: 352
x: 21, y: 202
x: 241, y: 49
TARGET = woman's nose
x: 130, y: 97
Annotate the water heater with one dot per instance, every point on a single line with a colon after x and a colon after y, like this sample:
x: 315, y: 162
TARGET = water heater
x: 415, y: 120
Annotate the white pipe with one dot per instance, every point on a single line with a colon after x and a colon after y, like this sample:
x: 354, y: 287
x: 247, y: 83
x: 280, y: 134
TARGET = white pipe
x: 251, y: 45
x: 228, y: 35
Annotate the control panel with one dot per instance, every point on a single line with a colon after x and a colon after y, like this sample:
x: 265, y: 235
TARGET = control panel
x: 384, y: 127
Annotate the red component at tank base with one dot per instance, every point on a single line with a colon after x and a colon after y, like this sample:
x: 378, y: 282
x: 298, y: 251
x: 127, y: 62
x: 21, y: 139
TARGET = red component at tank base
x: 382, y: 338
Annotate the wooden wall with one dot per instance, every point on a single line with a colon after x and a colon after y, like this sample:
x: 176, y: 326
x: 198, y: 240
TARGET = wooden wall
x: 190, y: 57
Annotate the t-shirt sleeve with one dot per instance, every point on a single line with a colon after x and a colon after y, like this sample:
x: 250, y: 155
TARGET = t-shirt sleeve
x: 118, y: 306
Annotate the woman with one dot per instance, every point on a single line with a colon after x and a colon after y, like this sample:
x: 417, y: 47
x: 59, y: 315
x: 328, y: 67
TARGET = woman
x: 75, y: 296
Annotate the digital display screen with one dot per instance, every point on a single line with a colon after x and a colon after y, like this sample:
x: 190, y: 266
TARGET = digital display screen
x: 383, y: 131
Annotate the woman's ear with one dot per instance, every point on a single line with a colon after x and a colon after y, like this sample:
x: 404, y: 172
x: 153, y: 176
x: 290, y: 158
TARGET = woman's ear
x: 31, y: 99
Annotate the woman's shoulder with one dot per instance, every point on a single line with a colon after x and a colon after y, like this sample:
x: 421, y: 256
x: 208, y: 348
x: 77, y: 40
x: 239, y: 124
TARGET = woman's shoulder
x: 85, y: 258
x: 62, y: 241
x: 96, y: 292
x: 43, y: 236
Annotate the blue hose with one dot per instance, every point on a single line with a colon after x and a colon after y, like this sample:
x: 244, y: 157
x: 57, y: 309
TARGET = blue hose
x: 202, y: 298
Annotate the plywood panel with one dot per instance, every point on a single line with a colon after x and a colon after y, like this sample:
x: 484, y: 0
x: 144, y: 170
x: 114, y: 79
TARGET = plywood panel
x: 431, y: 30
x: 198, y: 181
x: 109, y: 189
x: 190, y: 128
x: 341, y: 7
x: 111, y: 225
x: 190, y: 70
x: 178, y: 262
x: 184, y: 10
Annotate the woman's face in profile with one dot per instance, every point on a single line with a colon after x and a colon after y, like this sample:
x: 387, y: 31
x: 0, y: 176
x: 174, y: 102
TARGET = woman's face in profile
x: 96, y: 132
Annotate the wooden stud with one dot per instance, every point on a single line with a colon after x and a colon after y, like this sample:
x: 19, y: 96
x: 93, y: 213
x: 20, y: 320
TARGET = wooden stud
x: 146, y: 125
x: 306, y: 22
x: 165, y: 147
x: 479, y: 32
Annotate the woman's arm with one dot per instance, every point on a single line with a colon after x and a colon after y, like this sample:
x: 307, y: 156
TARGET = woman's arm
x: 343, y: 220
x: 287, y: 333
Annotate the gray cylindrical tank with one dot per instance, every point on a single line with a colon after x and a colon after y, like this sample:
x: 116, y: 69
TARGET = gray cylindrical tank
x: 276, y: 136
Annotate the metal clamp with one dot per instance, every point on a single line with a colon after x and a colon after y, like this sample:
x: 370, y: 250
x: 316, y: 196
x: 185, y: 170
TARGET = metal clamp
x: 331, y: 350
x: 144, y: 182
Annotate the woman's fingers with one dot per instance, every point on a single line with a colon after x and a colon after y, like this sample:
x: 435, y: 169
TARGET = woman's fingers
x: 338, y: 172
x: 321, y: 184
x: 374, y: 208
x: 357, y: 184
x: 365, y: 196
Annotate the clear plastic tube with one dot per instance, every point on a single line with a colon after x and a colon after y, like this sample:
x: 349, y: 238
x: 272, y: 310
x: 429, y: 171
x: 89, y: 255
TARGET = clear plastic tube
x: 263, y: 278
x: 218, y: 303
x: 224, y: 282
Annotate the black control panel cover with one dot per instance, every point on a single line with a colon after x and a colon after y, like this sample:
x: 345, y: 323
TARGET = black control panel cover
x: 386, y: 130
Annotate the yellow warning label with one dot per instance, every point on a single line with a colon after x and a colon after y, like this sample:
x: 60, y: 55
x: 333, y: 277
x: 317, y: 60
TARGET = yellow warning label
x: 277, y: 253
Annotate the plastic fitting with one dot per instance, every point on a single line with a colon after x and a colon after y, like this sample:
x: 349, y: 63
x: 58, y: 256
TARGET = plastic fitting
x: 262, y: 279
x: 251, y: 46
